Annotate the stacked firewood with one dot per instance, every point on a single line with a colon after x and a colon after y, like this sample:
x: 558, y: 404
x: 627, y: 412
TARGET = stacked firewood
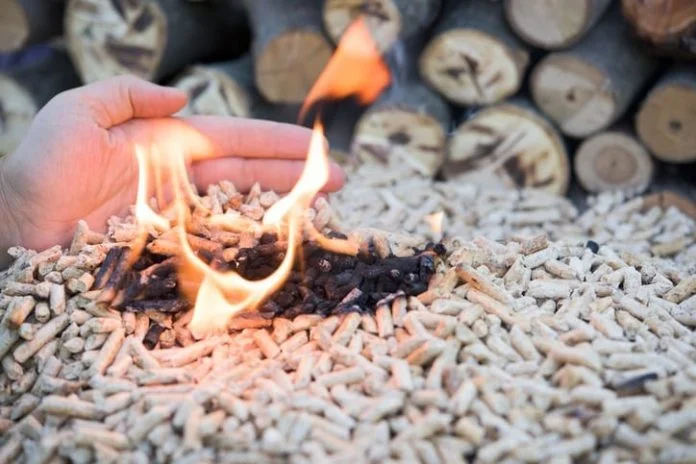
x: 499, y: 93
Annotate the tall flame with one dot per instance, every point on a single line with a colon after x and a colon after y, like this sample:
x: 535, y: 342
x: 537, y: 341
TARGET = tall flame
x: 356, y: 68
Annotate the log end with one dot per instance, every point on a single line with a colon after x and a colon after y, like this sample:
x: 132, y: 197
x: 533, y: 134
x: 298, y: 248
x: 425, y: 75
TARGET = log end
x: 213, y: 93
x: 400, y: 138
x: 287, y: 67
x: 14, y: 26
x: 17, y: 110
x: 106, y: 39
x: 471, y: 67
x: 574, y: 94
x: 613, y: 161
x: 666, y: 123
x: 382, y: 19
x: 508, y: 146
x: 548, y: 24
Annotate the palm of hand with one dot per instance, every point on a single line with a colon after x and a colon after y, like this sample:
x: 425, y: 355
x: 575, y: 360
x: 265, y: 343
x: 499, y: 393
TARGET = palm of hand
x: 77, y: 161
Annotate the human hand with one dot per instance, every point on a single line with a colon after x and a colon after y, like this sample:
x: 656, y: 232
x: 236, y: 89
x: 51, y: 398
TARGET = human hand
x: 77, y: 160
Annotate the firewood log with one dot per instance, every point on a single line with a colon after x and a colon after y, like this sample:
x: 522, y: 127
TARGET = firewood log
x: 588, y: 87
x: 289, y: 47
x: 408, y: 124
x: 25, y: 90
x: 553, y: 24
x: 152, y: 39
x: 509, y: 145
x: 668, y: 25
x: 222, y: 89
x: 387, y: 20
x: 666, y: 120
x: 613, y: 160
x: 28, y: 22
x: 474, y: 58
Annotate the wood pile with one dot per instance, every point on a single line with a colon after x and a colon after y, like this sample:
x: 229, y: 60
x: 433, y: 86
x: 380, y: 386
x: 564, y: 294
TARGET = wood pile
x: 505, y: 93
x: 525, y: 349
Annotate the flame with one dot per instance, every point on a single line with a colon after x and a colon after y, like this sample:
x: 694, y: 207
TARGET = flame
x: 435, y: 222
x: 356, y: 68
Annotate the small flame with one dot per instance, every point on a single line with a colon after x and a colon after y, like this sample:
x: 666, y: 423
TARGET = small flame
x: 435, y: 221
x: 356, y: 68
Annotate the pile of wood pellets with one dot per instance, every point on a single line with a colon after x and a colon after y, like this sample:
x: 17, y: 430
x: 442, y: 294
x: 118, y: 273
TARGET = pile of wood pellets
x: 544, y: 335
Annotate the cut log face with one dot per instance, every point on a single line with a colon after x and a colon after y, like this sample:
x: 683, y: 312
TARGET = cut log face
x: 474, y: 58
x: 508, y: 146
x: 289, y: 65
x: 382, y: 18
x: 574, y: 94
x: 14, y: 27
x: 116, y: 37
x: 666, y: 121
x: 553, y: 24
x: 471, y: 67
x: 613, y: 161
x: 668, y: 24
x: 17, y: 110
x: 400, y: 138
x: 589, y: 86
x: 212, y: 92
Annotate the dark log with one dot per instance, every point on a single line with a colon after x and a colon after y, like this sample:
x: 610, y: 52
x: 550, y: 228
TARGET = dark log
x: 387, y: 20
x: 666, y: 120
x: 474, y: 58
x: 553, y: 24
x: 152, y: 39
x: 588, y: 87
x: 668, y: 25
x: 289, y: 47
x: 29, y: 22
x: 613, y: 160
x: 509, y: 145
x: 26, y: 89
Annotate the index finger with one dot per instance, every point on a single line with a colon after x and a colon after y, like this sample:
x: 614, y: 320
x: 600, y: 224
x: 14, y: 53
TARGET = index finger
x: 250, y: 138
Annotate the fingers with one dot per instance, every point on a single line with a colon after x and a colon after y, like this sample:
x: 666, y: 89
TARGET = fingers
x: 278, y: 175
x: 250, y: 138
x: 116, y: 100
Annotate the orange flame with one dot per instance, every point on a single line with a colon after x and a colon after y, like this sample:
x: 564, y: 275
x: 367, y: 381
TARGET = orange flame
x: 220, y: 295
x: 435, y: 222
x: 356, y: 68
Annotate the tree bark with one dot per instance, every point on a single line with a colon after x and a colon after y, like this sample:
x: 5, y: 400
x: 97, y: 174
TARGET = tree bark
x: 289, y: 47
x: 152, y: 39
x: 473, y: 57
x: 25, y: 90
x: 613, y: 160
x: 553, y: 24
x: 28, y: 22
x: 387, y: 20
x: 509, y: 145
x: 588, y: 87
x: 666, y: 120
x: 668, y: 25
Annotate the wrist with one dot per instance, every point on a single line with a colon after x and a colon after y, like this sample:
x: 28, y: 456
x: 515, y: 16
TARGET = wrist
x: 9, y: 228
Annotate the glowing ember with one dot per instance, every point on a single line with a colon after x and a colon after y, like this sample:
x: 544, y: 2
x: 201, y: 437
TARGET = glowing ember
x: 356, y: 68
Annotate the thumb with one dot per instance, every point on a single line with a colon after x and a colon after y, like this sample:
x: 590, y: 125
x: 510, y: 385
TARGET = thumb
x: 119, y: 99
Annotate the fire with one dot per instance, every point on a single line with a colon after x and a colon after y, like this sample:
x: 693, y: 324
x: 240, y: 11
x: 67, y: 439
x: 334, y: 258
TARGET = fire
x: 435, y: 222
x: 356, y: 68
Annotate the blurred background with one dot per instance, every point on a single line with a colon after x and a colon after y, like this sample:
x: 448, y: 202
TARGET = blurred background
x: 571, y: 97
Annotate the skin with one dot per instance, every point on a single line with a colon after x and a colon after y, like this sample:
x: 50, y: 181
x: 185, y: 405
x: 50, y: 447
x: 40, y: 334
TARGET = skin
x: 77, y: 160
